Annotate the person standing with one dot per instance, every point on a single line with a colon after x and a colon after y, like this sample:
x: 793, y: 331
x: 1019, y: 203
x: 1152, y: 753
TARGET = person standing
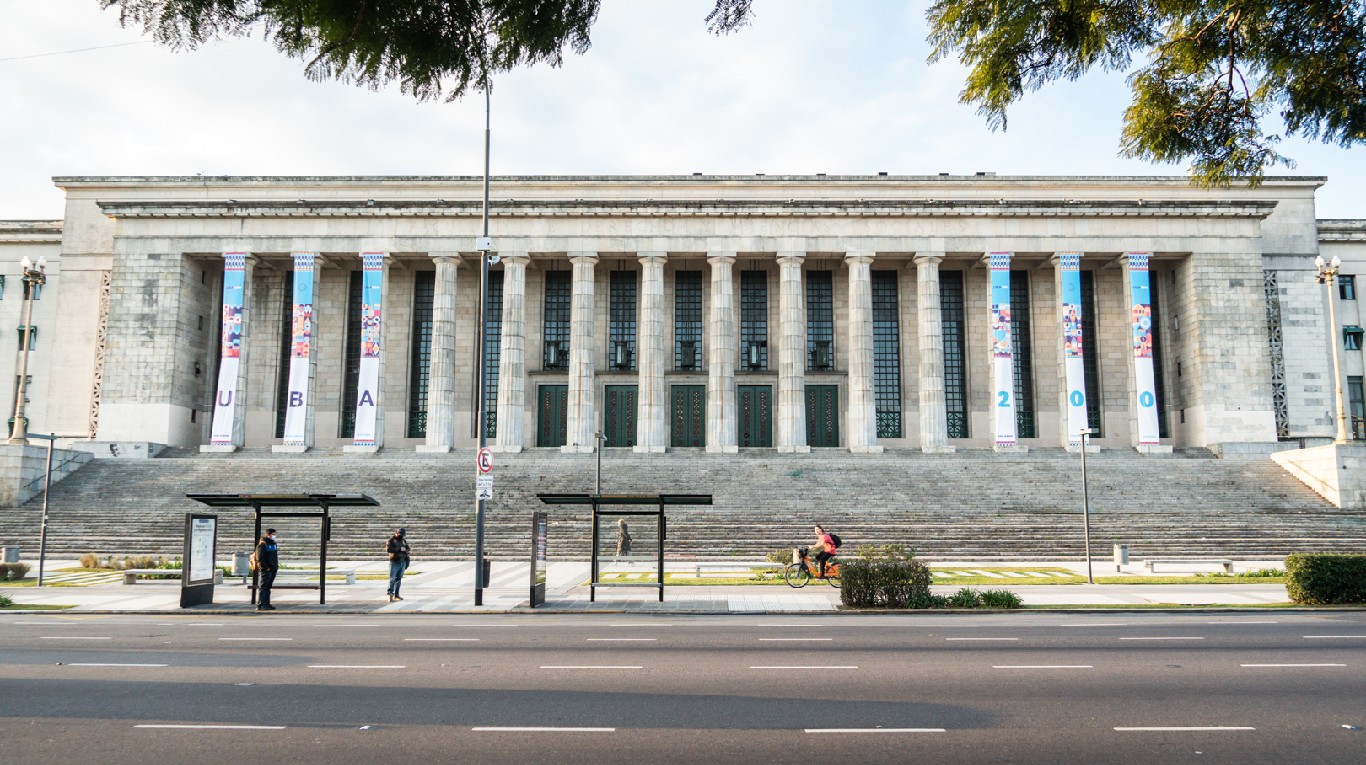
x: 267, y: 565
x: 399, y: 554
x: 623, y: 539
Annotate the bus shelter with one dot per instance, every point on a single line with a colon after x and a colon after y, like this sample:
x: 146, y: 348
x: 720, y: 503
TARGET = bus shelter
x: 290, y: 506
x: 648, y: 538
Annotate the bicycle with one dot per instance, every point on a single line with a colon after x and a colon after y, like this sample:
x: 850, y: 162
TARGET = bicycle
x: 798, y: 574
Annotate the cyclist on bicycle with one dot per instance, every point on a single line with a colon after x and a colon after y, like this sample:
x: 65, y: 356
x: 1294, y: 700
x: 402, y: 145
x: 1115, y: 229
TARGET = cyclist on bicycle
x: 824, y: 548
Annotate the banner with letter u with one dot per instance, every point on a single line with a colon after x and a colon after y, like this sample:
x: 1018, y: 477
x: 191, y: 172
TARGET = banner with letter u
x: 1141, y: 311
x: 1073, y: 345
x: 225, y: 403
x: 1002, y: 356
x: 371, y: 322
x: 300, y: 350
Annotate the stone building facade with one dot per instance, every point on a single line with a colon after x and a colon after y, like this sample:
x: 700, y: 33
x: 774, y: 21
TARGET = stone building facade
x: 690, y: 312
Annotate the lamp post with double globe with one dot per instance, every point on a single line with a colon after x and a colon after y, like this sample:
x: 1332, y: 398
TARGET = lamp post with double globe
x: 1328, y: 272
x: 34, y: 277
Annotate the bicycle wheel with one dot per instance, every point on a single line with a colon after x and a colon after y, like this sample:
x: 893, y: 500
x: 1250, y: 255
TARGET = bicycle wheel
x: 832, y: 575
x: 796, y: 575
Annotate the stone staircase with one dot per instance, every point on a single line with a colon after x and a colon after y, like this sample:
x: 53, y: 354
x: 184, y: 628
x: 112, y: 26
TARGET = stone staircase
x: 966, y: 506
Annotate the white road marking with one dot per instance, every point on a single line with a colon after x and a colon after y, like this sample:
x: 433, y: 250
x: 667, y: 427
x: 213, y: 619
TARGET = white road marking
x: 1264, y: 621
x: 980, y: 638
x: 1292, y: 665
x: 1187, y: 728
x: 71, y: 637
x: 99, y: 664
x: 794, y: 640
x: 1096, y: 624
x: 1043, y: 666
x: 874, y: 730
x: 214, y: 727
x: 493, y: 729
x: 590, y: 666
x: 622, y: 640
x: 254, y: 638
x: 441, y: 640
x: 189, y: 624
x: 1161, y: 638
x: 357, y: 666
x: 803, y: 667
x: 1331, y: 637
x: 641, y: 624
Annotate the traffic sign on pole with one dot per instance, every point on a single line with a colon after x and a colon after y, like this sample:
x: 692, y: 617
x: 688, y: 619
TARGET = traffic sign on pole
x: 485, y: 460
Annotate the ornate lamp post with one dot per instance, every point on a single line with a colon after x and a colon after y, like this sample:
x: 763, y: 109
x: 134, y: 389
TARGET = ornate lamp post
x: 1328, y: 272
x: 33, y: 278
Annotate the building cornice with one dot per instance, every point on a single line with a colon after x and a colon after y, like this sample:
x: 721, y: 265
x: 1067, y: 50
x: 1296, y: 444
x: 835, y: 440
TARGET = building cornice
x: 31, y: 231
x: 1342, y: 230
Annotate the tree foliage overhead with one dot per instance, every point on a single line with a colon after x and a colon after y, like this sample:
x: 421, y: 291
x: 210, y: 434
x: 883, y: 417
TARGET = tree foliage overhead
x: 430, y: 48
x: 1212, y: 73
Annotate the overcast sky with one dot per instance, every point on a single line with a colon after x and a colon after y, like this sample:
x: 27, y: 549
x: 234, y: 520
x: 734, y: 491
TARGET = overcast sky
x: 827, y: 86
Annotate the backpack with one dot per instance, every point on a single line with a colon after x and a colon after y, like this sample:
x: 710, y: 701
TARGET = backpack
x: 836, y: 539
x: 252, y: 563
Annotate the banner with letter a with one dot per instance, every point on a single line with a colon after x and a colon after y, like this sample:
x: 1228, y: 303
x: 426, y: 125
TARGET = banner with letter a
x: 300, y: 350
x: 1002, y: 360
x: 371, y: 321
x: 1141, y: 311
x: 1073, y: 345
x: 225, y: 403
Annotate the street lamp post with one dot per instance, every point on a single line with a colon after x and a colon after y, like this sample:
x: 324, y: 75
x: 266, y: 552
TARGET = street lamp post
x: 33, y: 278
x: 1328, y: 271
x: 1086, y: 505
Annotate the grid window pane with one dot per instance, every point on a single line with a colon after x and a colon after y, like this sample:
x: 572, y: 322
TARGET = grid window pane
x: 493, y: 344
x: 1022, y: 353
x: 621, y: 320
x: 1357, y: 404
x: 886, y: 355
x: 419, y: 376
x: 1347, y: 287
x: 1160, y: 387
x: 753, y: 320
x: 955, y: 364
x: 286, y: 345
x: 557, y: 296
x: 351, y: 365
x: 1090, y: 360
x: 820, y: 320
x: 687, y: 320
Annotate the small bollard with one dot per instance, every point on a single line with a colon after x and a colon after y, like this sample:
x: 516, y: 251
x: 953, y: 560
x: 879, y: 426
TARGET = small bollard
x: 1121, y: 555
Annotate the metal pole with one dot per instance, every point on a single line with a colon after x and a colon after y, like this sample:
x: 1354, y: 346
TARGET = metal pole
x: 47, y: 489
x: 20, y: 428
x: 1337, y: 361
x: 1086, y: 507
x: 482, y: 406
x: 597, y: 478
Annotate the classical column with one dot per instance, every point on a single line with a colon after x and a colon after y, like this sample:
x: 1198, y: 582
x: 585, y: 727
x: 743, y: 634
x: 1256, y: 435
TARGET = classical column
x: 368, y: 436
x: 512, y: 355
x: 791, y: 354
x: 651, y: 433
x: 441, y: 367
x: 228, y: 433
x: 722, y: 423
x: 1071, y: 350
x: 303, y: 356
x: 862, y: 419
x: 581, y: 417
x: 934, y: 425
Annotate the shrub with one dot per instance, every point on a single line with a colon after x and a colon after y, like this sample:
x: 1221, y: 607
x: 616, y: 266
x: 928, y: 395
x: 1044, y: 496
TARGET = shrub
x: 1000, y: 599
x: 781, y: 555
x: 1264, y: 572
x: 90, y: 560
x: 887, y: 583
x: 885, y: 552
x: 1322, y: 579
x: 965, y: 598
x: 13, y: 572
x: 169, y: 563
x: 5, y: 602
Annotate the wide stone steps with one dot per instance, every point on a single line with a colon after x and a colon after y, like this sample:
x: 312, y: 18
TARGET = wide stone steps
x: 967, y: 505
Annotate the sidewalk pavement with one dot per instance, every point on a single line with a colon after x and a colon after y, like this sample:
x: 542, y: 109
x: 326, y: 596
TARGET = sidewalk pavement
x: 448, y: 587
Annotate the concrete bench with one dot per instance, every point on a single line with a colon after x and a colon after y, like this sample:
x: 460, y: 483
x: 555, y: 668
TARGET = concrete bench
x: 130, y: 576
x: 284, y: 575
x: 699, y: 566
x: 1225, y: 562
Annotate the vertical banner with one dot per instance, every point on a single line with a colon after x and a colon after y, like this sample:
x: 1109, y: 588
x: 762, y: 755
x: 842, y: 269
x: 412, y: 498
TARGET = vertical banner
x: 1003, y: 368
x: 372, y: 301
x: 300, y: 350
x: 1141, y: 311
x: 225, y: 403
x: 1073, y: 345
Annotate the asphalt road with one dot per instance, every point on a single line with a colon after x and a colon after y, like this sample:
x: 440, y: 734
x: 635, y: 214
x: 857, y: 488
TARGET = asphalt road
x: 1246, y: 687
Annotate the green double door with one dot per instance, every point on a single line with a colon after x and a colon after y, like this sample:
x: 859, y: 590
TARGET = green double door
x: 755, y: 405
x: 687, y: 415
x: 822, y: 415
x: 619, y: 415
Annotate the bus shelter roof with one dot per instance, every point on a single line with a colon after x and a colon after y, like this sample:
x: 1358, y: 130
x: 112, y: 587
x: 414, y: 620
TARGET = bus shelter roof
x: 259, y: 501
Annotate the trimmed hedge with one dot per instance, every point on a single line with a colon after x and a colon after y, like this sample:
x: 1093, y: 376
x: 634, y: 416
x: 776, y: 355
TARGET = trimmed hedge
x: 885, y: 584
x: 13, y: 572
x: 1323, y: 579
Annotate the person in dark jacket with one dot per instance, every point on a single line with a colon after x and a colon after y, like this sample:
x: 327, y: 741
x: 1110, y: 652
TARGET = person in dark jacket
x: 399, y: 554
x: 267, y: 564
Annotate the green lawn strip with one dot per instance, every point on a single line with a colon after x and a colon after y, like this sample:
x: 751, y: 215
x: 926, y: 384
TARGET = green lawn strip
x: 34, y: 607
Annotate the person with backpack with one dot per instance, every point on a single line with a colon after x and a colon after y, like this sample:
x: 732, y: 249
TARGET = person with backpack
x: 399, y: 554
x: 266, y: 561
x: 825, y: 548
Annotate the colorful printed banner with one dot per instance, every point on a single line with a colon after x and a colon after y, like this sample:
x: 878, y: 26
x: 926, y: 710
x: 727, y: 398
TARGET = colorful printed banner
x: 1141, y: 312
x: 225, y: 404
x: 300, y: 351
x: 1073, y: 345
x: 1001, y: 351
x: 372, y: 302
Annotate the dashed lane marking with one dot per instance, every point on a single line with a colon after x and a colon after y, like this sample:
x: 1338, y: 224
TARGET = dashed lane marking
x: 254, y: 639
x: 591, y: 666
x: 874, y: 730
x: 1043, y: 666
x: 795, y: 640
x: 502, y: 729
x: 213, y: 727
x: 803, y: 666
x: 1163, y: 638
x: 1181, y: 728
x: 441, y: 640
x: 112, y: 664
x: 1292, y: 665
x: 988, y: 639
x: 622, y: 640
x: 72, y: 637
x: 357, y: 666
